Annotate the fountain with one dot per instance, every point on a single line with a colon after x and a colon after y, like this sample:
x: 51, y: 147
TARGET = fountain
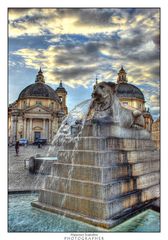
x: 106, y: 168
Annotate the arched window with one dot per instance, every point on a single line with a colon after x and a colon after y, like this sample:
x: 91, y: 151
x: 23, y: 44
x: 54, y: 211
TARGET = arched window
x: 60, y: 97
x: 24, y: 104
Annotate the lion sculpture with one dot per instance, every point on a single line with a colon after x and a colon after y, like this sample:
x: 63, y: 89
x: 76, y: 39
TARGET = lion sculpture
x: 106, y: 107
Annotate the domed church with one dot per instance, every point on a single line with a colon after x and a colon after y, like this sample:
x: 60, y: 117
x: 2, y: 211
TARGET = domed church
x: 132, y: 97
x: 38, y: 111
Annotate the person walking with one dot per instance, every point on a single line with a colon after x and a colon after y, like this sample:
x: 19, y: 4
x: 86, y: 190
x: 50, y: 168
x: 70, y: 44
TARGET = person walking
x: 17, y: 148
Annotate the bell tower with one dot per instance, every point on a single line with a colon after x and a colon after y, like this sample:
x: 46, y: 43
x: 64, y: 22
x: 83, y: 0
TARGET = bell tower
x: 122, y: 76
x: 62, y: 93
x: 40, y: 77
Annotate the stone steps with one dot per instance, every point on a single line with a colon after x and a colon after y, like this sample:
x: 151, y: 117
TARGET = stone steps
x: 90, y: 189
x: 105, y: 191
x: 96, y: 158
x: 102, y: 144
x: 76, y: 215
x: 139, y: 169
x: 147, y: 180
x: 142, y: 156
x: 90, y: 207
x: 150, y: 193
x: 103, y: 173
x: 90, y: 173
x: 106, y: 158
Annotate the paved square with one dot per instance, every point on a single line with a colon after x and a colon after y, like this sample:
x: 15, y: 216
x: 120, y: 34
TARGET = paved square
x: 19, y: 178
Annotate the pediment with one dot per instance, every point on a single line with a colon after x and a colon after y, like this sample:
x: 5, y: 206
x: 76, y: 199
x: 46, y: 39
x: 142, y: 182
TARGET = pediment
x: 37, y: 109
x: 37, y: 128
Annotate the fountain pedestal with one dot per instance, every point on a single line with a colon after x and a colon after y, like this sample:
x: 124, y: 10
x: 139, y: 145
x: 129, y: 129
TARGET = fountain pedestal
x: 110, y: 174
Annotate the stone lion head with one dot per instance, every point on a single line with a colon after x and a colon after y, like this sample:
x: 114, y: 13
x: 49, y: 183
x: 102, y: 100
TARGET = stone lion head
x: 103, y: 95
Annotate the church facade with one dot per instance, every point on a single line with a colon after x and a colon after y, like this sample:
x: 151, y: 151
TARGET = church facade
x: 38, y: 111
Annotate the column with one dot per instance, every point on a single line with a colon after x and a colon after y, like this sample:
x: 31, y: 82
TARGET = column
x: 49, y: 131
x: 13, y: 128
x: 11, y: 132
x: 30, y: 130
x: 44, y: 128
x: 24, y: 128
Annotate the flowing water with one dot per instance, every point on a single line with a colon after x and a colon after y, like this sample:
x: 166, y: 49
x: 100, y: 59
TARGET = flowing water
x: 75, y: 119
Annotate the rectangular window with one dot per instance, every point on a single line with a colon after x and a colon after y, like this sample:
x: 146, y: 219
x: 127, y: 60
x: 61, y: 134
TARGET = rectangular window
x: 38, y: 102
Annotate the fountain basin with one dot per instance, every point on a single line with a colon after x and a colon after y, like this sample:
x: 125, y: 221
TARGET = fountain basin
x: 23, y: 218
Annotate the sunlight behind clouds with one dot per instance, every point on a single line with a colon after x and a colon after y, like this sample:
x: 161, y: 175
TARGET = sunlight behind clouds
x: 75, y: 45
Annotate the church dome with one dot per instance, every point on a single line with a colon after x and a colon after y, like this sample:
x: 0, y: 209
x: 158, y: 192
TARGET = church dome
x: 126, y: 90
x: 39, y: 90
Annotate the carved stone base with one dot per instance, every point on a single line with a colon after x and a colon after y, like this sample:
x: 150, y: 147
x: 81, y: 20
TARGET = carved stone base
x: 105, y: 179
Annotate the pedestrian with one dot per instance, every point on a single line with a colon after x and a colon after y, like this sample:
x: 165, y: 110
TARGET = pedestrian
x: 39, y: 145
x: 17, y: 148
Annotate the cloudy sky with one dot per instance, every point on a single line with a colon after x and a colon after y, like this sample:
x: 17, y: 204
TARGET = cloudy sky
x: 76, y: 45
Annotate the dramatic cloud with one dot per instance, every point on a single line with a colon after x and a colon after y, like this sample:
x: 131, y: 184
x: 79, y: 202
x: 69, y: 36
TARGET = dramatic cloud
x: 75, y: 45
x: 154, y: 100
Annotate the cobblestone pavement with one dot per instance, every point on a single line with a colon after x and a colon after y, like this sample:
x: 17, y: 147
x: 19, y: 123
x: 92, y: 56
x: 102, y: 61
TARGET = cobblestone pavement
x: 19, y: 178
